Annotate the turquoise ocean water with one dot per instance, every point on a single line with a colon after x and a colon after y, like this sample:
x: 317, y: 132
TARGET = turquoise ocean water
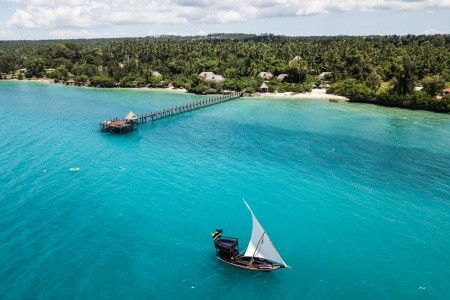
x: 355, y: 197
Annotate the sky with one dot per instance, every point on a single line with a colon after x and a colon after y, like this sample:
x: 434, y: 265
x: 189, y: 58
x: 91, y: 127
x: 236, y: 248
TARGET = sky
x: 69, y: 19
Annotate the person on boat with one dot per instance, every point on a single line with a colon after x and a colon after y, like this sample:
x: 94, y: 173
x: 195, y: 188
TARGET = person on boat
x: 217, y: 234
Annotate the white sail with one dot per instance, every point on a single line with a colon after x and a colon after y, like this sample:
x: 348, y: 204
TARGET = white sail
x: 260, y: 244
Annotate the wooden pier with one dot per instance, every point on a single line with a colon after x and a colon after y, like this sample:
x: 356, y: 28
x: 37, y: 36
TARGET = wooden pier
x: 131, y: 121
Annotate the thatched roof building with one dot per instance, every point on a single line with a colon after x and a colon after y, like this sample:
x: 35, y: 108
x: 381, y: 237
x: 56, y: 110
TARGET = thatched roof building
x: 210, y: 76
x: 131, y: 117
x: 265, y: 75
x: 282, y: 77
x: 263, y: 88
x: 323, y: 75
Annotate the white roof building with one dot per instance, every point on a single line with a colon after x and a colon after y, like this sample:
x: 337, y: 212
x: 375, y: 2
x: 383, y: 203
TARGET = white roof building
x: 131, y: 116
x: 210, y: 76
x: 323, y: 75
x: 282, y: 77
x: 265, y: 75
x: 263, y: 88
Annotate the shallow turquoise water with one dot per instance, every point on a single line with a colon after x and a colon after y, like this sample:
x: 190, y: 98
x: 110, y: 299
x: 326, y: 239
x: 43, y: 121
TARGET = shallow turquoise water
x: 356, y: 198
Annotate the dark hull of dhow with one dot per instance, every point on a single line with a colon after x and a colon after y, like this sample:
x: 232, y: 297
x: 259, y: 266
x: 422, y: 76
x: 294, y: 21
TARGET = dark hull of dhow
x: 245, y: 262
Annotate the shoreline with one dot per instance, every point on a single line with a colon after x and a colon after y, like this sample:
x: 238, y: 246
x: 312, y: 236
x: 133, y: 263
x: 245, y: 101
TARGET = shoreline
x: 315, y: 94
x: 318, y: 94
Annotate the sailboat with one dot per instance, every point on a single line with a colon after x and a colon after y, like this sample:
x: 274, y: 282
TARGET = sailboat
x: 260, y: 254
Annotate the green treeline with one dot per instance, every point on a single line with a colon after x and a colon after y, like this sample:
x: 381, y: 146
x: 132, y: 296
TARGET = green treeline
x: 379, y: 69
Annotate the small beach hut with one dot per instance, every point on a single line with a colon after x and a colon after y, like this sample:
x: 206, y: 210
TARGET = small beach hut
x: 323, y: 75
x: 282, y: 77
x: 264, y: 88
x: 131, y: 117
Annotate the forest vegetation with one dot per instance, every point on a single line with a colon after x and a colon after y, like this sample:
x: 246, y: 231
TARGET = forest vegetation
x: 379, y: 69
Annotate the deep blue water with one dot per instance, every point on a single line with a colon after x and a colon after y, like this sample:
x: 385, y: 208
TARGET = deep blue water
x: 355, y: 197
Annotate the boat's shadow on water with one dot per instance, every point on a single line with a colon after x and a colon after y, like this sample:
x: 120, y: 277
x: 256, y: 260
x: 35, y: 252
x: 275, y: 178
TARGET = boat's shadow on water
x: 247, y: 283
x: 270, y: 285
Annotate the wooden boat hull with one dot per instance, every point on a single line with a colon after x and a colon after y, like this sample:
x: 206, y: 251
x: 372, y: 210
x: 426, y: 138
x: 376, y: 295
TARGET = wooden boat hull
x: 260, y: 254
x: 259, y: 264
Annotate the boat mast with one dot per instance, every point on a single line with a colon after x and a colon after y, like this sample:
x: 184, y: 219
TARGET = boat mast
x: 256, y: 248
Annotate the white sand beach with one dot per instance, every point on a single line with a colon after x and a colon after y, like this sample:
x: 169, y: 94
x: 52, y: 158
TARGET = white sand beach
x: 314, y: 94
x: 173, y: 89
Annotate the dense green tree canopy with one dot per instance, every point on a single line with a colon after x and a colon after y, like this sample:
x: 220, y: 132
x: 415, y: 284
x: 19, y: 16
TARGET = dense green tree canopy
x: 370, y: 60
x: 433, y: 85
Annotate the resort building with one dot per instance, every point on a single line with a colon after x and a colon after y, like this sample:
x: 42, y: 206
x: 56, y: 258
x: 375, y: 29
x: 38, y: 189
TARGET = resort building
x: 263, y: 88
x: 156, y: 74
x: 210, y: 76
x: 282, y: 77
x: 131, y: 117
x: 323, y: 75
x: 265, y: 75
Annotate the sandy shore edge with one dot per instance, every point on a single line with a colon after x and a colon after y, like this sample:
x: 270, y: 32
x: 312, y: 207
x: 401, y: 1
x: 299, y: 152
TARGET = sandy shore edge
x: 314, y: 94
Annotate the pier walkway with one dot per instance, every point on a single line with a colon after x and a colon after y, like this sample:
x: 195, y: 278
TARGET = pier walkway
x: 131, y: 121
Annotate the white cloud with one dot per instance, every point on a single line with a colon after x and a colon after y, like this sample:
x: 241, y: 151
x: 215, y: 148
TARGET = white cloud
x: 432, y: 31
x: 70, y: 14
x: 69, y: 34
x: 23, y: 18
x: 48, y: 17
x: 6, y: 34
x: 221, y: 17
x: 230, y: 16
x: 310, y: 7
